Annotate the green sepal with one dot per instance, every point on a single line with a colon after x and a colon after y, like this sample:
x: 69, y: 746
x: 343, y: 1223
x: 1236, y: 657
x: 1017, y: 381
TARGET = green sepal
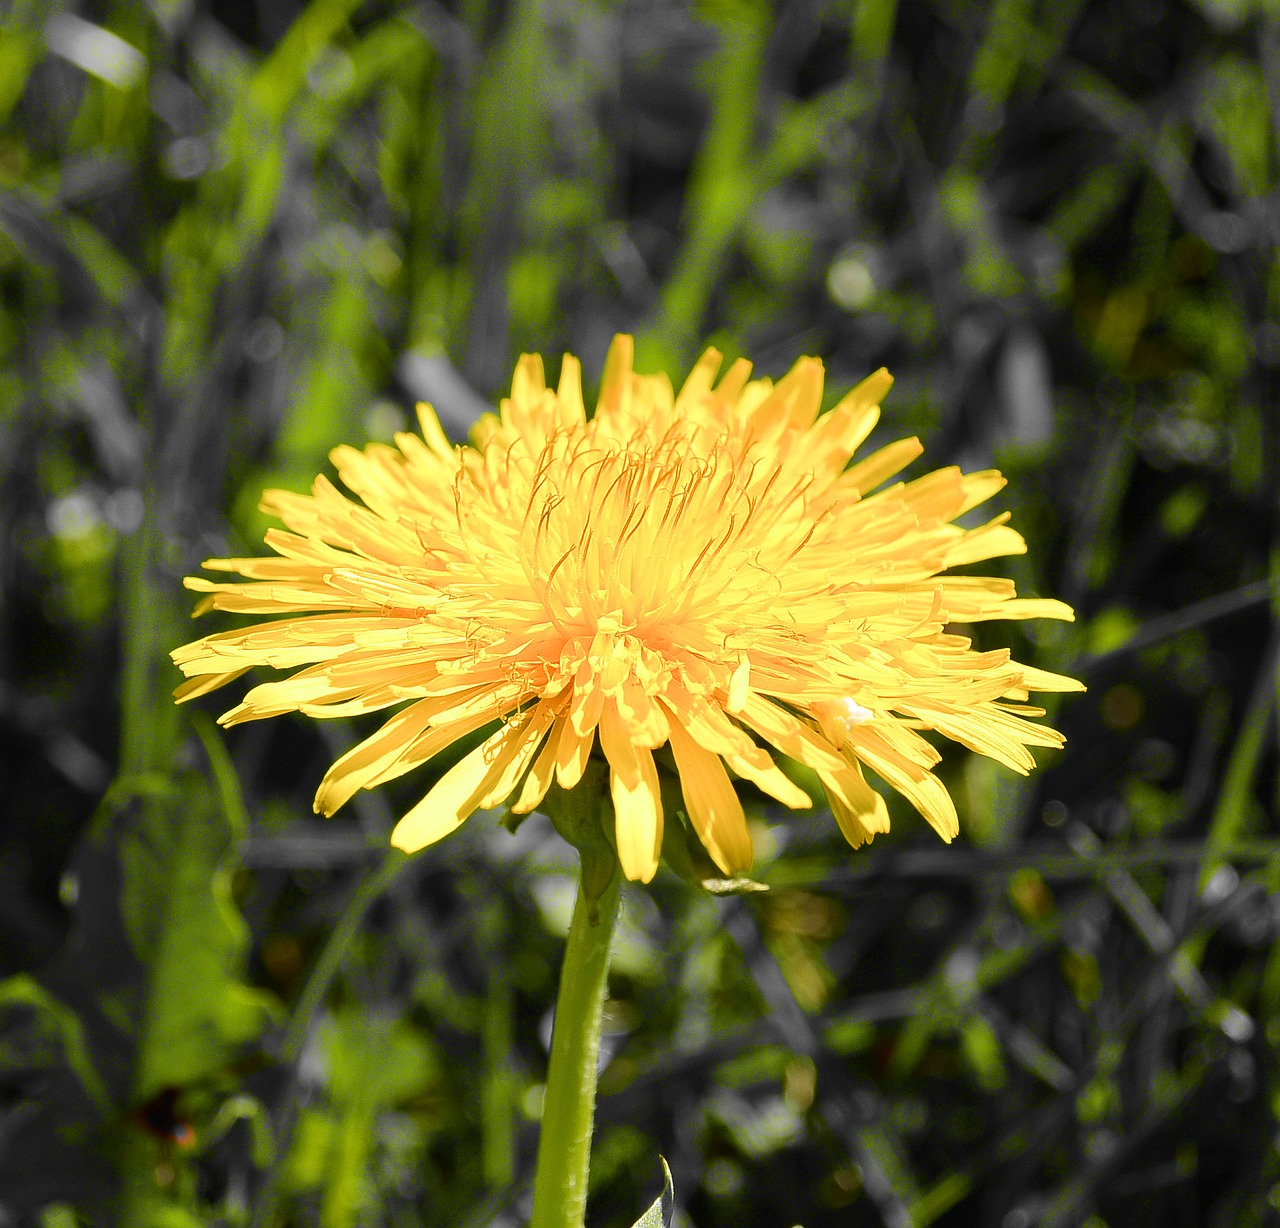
x: 578, y: 814
x: 661, y: 1213
x: 733, y: 886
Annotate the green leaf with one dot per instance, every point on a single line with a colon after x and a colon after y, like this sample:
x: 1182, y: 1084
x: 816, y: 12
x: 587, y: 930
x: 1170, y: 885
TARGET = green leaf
x: 224, y: 775
x: 112, y: 274
x: 374, y: 1063
x: 662, y: 1210
x: 725, y: 179
x: 872, y: 29
x: 376, y: 1060
x: 22, y: 991
x: 19, y: 53
x: 983, y: 1051
x: 1235, y: 804
x: 177, y: 909
x: 941, y: 1198
x: 1236, y: 110
x: 334, y: 382
x: 995, y: 66
x: 249, y: 1109
x: 282, y: 75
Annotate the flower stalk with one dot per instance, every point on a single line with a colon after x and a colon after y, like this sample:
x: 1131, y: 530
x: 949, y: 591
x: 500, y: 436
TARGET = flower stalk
x: 568, y: 1111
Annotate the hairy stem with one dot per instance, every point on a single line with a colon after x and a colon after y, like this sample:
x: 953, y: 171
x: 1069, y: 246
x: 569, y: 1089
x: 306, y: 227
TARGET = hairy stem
x: 568, y: 1113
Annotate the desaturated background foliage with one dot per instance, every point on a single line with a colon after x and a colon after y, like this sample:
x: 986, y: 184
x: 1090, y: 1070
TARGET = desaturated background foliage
x: 235, y: 234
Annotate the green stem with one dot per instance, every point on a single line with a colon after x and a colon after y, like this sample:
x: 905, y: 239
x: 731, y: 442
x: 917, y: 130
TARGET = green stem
x: 568, y: 1111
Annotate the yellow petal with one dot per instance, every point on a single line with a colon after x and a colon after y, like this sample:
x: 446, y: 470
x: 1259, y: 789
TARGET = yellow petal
x: 919, y: 786
x: 839, y: 433
x: 769, y: 778
x: 734, y: 380
x: 868, y: 474
x: 569, y: 392
x: 637, y: 803
x: 644, y: 717
x: 1042, y: 680
x: 365, y: 761
x: 541, y: 774
x: 700, y: 378
x: 843, y: 429
x: 481, y: 778
x: 508, y: 769
x: 450, y: 800
x: 713, y: 806
x: 1036, y: 607
x: 433, y: 433
x: 202, y: 684
x: 979, y: 487
x: 616, y: 382
x: 572, y: 752
x: 990, y: 541
x: 529, y: 380
x: 717, y: 735
x: 793, y: 403
x: 402, y: 744
x: 859, y: 809
x: 739, y: 684
x: 790, y: 735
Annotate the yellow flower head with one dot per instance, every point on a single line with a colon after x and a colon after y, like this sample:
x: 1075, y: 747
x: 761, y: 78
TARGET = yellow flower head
x: 700, y: 571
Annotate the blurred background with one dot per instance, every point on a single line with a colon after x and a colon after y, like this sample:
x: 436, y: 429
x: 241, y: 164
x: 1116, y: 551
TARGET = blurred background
x: 234, y: 234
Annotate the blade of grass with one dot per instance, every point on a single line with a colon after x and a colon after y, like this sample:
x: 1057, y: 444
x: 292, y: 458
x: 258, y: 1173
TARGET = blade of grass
x: 1231, y: 812
x: 1166, y: 626
x: 723, y: 186
x: 303, y: 1017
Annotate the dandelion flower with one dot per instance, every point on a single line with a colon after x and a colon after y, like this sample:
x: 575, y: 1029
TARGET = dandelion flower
x: 702, y: 574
